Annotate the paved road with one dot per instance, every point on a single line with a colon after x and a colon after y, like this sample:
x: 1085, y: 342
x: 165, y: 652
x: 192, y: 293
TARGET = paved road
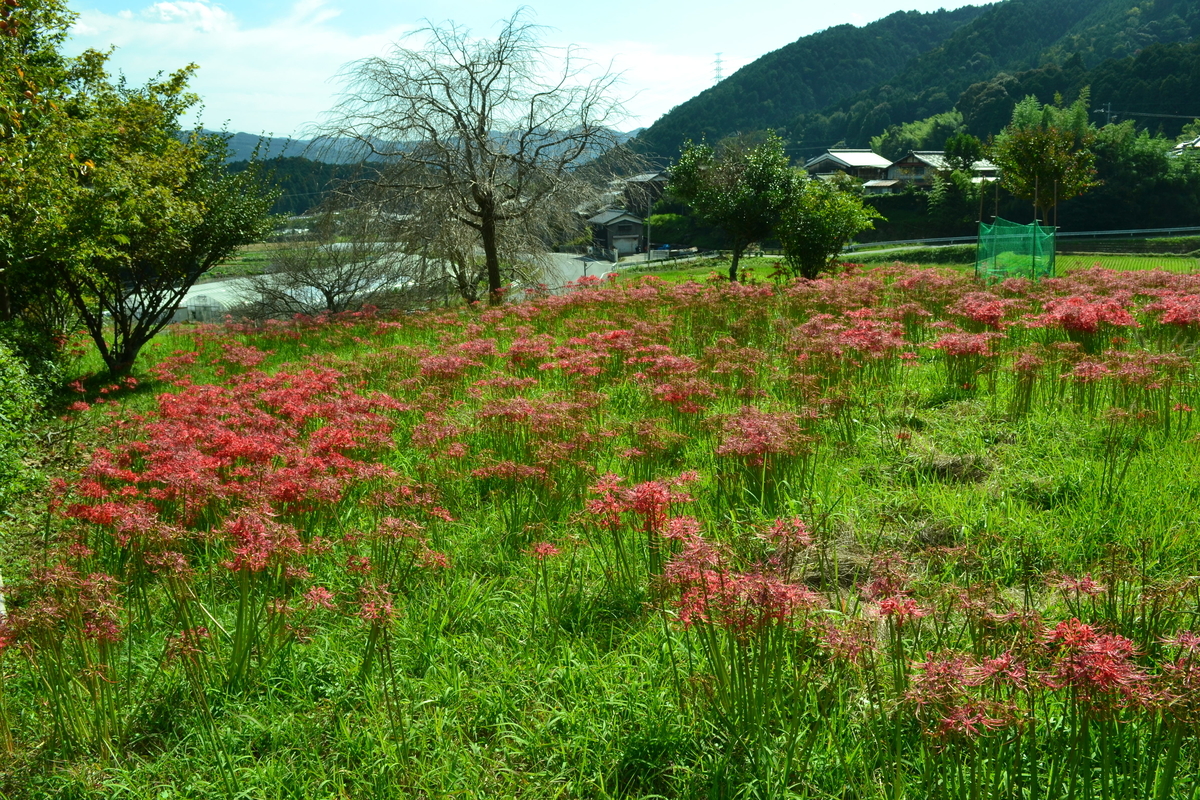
x: 232, y: 291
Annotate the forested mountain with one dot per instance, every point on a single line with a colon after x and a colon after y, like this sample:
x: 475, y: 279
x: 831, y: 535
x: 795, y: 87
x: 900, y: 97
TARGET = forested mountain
x: 304, y: 183
x: 1159, y: 89
x: 806, y: 75
x: 1008, y: 37
x: 848, y: 84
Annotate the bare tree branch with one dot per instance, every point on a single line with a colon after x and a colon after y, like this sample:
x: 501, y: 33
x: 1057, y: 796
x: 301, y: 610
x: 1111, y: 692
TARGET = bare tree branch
x: 482, y: 141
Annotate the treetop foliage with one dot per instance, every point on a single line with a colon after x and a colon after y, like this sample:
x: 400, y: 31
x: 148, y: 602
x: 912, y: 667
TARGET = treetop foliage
x: 741, y: 189
x: 802, y: 77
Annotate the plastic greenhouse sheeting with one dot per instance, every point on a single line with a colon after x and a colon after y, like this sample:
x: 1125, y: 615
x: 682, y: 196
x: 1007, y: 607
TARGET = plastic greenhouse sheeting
x: 1011, y: 250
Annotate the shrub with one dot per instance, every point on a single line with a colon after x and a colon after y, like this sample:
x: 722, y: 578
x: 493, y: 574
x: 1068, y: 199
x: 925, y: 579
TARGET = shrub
x: 18, y: 400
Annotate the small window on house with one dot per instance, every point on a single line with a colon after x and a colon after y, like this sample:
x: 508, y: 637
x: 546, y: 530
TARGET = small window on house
x: 625, y: 227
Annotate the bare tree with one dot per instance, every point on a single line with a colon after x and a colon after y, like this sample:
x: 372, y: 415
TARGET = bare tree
x: 485, y: 135
x: 450, y: 258
x: 351, y: 260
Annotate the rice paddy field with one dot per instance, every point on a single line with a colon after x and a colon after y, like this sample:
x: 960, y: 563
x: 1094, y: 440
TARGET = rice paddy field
x: 887, y: 534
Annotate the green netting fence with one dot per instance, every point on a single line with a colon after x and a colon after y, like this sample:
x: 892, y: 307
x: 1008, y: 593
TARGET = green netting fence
x: 1010, y: 250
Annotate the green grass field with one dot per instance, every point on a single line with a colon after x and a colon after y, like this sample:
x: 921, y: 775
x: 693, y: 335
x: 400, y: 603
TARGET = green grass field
x: 890, y: 535
x: 1169, y: 263
x: 761, y: 268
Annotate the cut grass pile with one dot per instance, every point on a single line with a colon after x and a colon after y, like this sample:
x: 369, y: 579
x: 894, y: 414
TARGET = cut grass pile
x: 887, y: 534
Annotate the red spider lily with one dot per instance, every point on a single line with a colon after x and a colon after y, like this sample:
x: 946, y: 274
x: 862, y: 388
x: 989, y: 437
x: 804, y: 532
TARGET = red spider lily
x: 743, y: 603
x: 1080, y: 314
x: 438, y: 436
x: 888, y: 577
x: 687, y: 395
x: 187, y: 644
x: 1176, y: 309
x: 1028, y: 362
x: 1003, y: 670
x: 1186, y: 641
x: 649, y: 502
x: 432, y: 559
x: 1077, y: 586
x: 942, y: 680
x: 985, y: 309
x: 832, y: 295
x: 543, y: 550
x: 1099, y: 667
x: 726, y: 357
x: 845, y: 643
x: 510, y: 471
x: 476, y: 348
x: 682, y: 529
x: 971, y: 720
x: 933, y: 288
x: 966, y: 344
x: 788, y: 533
x: 756, y: 436
x: 901, y: 610
x: 375, y: 604
x: 258, y: 541
x: 446, y: 368
x: 874, y: 339
x: 242, y: 355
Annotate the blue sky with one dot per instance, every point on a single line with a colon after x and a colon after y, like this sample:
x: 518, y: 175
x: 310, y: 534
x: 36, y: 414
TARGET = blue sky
x: 270, y: 66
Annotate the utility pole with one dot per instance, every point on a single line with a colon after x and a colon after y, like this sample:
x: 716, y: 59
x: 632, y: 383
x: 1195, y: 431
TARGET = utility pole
x: 1107, y: 112
x: 718, y: 69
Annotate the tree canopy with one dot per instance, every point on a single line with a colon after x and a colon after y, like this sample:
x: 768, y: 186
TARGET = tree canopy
x: 821, y: 219
x: 1045, y: 153
x: 741, y: 189
x: 107, y: 206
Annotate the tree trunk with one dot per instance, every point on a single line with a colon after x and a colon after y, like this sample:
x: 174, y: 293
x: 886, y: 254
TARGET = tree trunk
x: 733, y: 265
x: 491, y: 254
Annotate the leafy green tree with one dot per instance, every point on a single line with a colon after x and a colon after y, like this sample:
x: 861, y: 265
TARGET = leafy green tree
x: 154, y: 213
x: 38, y: 164
x: 1045, y: 154
x: 817, y: 225
x: 954, y: 201
x: 105, y: 204
x: 741, y: 190
x: 1142, y: 183
x: 923, y: 134
x: 962, y: 151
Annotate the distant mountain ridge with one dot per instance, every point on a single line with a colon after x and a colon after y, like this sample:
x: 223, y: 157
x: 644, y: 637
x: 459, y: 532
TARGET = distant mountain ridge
x: 243, y: 146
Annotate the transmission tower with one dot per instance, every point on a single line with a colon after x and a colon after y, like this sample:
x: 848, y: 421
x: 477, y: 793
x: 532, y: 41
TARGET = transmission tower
x: 718, y: 69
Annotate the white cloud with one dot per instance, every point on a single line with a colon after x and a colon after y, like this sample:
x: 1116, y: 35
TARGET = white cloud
x: 200, y: 16
x: 280, y: 77
x: 275, y: 78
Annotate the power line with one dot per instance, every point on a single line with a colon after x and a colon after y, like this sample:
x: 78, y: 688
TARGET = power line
x: 718, y: 69
x: 1112, y: 115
